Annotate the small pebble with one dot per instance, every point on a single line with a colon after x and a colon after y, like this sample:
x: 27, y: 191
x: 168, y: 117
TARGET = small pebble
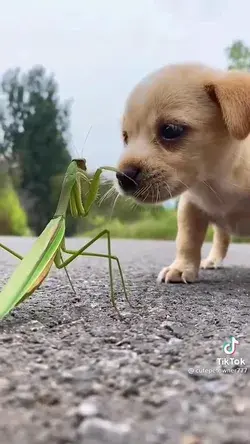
x: 96, y: 430
x: 240, y: 405
x: 26, y: 398
x: 88, y: 408
x: 174, y: 341
x: 5, y: 385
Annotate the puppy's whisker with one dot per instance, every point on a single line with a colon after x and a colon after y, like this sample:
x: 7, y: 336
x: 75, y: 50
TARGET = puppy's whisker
x: 130, y: 201
x: 146, y: 192
x: 134, y: 205
x: 152, y: 193
x: 212, y: 189
x: 108, y: 194
x: 157, y: 193
x: 146, y: 196
x: 183, y: 183
x: 169, y: 190
x: 128, y: 177
x: 138, y: 192
x: 113, y: 206
x: 237, y: 185
x: 105, y: 196
x: 141, y: 192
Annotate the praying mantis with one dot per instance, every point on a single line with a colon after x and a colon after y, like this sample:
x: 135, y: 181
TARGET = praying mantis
x: 49, y: 246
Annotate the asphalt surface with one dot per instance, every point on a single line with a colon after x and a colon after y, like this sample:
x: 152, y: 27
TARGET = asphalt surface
x: 72, y: 372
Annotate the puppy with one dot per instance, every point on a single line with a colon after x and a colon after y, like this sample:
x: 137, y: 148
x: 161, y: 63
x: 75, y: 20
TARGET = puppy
x: 186, y: 133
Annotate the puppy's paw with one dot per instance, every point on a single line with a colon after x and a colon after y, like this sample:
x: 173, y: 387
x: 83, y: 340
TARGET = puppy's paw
x: 178, y: 273
x: 211, y: 263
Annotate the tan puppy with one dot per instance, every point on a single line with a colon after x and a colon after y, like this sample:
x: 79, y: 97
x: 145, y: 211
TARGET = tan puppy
x: 186, y: 132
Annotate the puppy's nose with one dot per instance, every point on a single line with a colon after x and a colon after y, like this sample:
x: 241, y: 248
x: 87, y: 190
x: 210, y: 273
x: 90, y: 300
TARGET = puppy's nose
x: 129, y: 179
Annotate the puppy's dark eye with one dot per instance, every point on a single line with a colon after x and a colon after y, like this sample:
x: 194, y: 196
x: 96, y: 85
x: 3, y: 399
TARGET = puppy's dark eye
x: 170, y: 131
x: 125, y: 137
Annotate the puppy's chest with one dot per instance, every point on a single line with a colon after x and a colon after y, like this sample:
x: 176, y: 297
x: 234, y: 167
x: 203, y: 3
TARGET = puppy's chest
x: 226, y: 208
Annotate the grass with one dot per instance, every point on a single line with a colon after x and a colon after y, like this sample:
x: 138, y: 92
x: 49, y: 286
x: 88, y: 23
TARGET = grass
x: 160, y: 227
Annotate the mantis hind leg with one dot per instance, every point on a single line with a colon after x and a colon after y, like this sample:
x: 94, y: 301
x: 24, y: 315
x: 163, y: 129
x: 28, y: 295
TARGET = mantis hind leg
x: 109, y: 256
x: 18, y: 256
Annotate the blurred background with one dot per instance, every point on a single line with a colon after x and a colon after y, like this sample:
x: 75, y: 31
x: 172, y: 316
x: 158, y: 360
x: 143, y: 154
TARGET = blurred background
x: 66, y: 70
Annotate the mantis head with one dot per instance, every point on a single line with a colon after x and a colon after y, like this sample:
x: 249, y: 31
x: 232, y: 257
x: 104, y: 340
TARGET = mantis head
x: 81, y: 163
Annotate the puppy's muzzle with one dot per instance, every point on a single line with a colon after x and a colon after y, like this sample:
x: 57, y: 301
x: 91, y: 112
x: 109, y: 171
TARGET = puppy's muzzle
x: 129, y: 179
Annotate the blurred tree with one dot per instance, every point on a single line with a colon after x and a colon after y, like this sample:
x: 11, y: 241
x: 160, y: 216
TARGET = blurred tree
x: 238, y: 56
x: 13, y: 220
x: 34, y: 129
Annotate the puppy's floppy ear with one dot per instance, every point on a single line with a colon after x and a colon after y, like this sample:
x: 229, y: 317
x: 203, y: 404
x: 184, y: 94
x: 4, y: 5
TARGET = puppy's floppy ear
x: 232, y: 93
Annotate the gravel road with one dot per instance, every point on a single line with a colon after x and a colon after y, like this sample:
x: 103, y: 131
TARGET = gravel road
x: 71, y: 372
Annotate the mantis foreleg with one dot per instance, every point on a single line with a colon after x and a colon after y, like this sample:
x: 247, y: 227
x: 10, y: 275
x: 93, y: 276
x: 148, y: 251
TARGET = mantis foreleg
x: 92, y: 194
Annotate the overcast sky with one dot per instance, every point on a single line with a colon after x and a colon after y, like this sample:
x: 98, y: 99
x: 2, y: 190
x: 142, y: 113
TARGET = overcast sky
x: 99, y: 49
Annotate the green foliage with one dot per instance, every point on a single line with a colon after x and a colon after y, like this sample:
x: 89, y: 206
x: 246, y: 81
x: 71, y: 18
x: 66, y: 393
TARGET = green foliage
x: 148, y: 228
x: 34, y: 126
x: 162, y: 226
x: 238, y: 56
x: 13, y: 220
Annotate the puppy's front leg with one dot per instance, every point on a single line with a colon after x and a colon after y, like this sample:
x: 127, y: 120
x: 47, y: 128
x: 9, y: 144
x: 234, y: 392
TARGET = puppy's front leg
x: 192, y: 227
x: 221, y: 241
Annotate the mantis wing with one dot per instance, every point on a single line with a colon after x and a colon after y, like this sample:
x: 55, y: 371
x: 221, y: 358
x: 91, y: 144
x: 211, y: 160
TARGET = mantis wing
x: 34, y: 267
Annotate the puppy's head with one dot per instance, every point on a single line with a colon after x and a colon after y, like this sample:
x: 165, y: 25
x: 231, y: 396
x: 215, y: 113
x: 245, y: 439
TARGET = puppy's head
x: 179, y: 125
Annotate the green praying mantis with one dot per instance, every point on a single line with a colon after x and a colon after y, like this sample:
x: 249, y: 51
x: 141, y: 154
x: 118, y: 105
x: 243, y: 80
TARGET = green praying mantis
x: 49, y: 246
